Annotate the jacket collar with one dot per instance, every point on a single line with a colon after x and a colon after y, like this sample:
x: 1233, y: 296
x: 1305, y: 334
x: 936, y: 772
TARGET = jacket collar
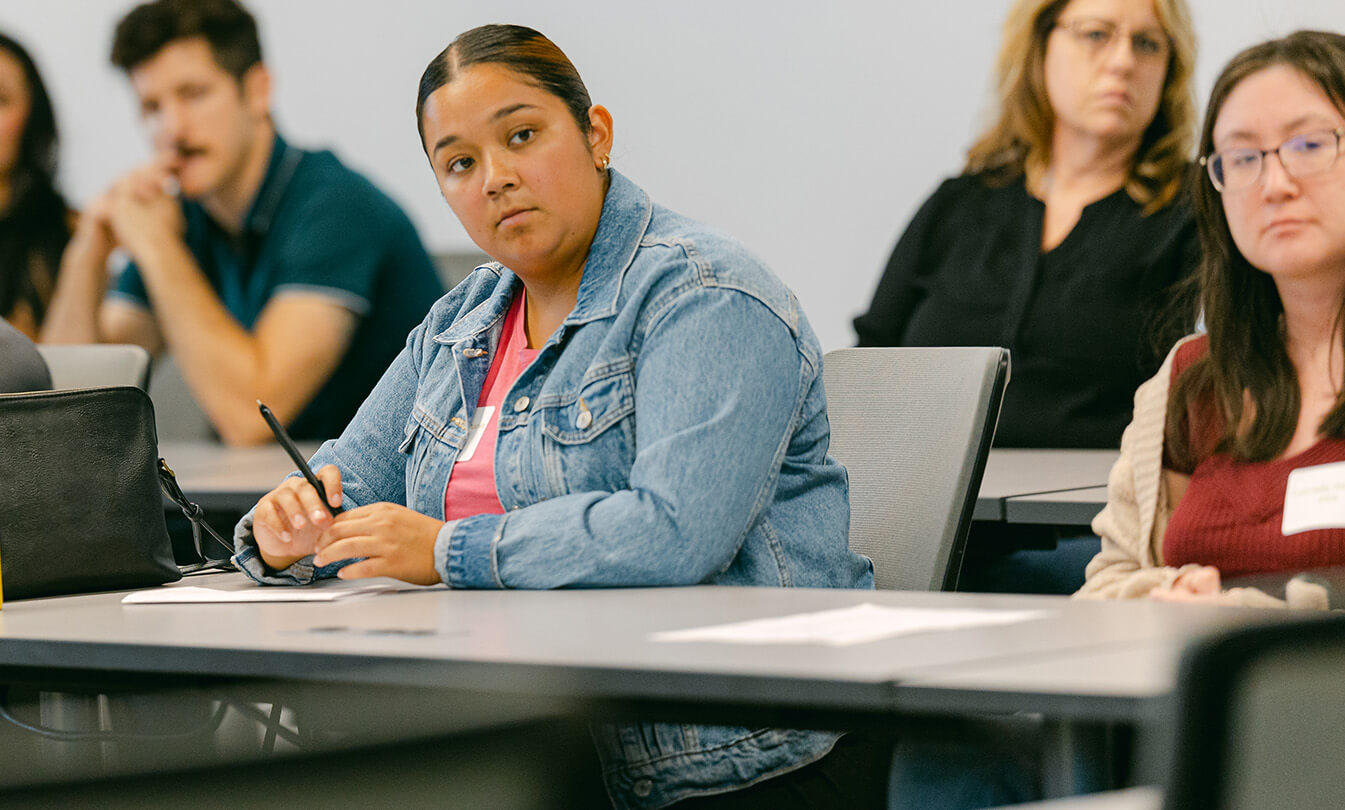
x: 626, y: 212
x: 284, y: 160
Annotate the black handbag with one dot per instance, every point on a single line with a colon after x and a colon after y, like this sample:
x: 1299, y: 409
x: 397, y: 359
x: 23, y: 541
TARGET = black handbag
x: 80, y: 508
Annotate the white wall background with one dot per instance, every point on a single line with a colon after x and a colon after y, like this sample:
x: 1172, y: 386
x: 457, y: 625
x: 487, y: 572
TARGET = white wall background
x: 809, y: 130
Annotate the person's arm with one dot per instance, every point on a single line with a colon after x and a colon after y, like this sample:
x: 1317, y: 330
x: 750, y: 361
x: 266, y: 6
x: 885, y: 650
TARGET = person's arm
x: 718, y: 384
x: 1141, y: 494
x: 1124, y: 568
x: 897, y: 294
x: 80, y: 311
x: 366, y: 468
x: 294, y: 347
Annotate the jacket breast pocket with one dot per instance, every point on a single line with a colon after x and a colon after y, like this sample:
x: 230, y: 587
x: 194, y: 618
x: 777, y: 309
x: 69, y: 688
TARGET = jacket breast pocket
x: 430, y: 445
x: 590, y: 435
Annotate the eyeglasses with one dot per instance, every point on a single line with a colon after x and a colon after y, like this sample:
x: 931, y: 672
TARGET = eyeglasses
x: 1095, y: 37
x: 1301, y: 156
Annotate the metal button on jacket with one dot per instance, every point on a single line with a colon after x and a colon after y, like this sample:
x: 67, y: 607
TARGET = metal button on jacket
x: 521, y: 404
x: 583, y: 420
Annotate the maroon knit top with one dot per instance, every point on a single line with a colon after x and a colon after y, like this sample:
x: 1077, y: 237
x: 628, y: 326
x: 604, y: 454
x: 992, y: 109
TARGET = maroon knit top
x: 1231, y: 514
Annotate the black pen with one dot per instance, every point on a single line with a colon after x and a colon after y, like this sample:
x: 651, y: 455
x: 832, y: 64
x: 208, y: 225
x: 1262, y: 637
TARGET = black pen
x: 291, y: 448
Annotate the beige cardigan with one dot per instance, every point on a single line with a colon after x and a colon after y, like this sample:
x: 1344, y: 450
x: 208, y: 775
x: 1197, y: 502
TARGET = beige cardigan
x: 1135, y: 519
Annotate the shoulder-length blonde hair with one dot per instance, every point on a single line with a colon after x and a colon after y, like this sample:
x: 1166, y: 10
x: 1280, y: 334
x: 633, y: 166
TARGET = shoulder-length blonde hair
x: 1019, y: 140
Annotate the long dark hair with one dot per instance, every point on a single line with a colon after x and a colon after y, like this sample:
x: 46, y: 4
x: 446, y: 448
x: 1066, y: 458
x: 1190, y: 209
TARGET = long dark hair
x: 523, y: 50
x: 34, y: 226
x: 1248, y: 364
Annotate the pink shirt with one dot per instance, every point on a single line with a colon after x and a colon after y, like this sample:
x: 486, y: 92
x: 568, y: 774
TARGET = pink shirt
x: 471, y: 484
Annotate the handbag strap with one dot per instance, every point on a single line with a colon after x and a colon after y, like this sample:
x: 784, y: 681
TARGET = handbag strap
x: 196, y: 515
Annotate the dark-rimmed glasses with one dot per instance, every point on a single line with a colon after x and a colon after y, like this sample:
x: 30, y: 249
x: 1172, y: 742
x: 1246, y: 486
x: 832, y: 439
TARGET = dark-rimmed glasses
x: 1301, y: 156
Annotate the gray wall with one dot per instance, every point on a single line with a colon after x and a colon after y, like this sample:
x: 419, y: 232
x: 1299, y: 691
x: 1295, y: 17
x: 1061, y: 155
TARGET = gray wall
x: 811, y: 131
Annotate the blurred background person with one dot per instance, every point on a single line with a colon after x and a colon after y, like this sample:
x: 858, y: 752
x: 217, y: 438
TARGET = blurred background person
x: 269, y: 271
x: 35, y: 222
x: 1062, y: 240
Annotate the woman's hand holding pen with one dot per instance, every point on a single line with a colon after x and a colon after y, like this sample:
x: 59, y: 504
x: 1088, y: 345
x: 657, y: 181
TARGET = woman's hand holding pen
x: 291, y: 522
x: 290, y: 518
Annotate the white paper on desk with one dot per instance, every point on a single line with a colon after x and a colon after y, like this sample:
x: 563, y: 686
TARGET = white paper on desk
x: 326, y: 591
x: 845, y: 626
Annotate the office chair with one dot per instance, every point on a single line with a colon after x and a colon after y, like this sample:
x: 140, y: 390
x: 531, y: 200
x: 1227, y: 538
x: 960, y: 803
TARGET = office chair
x: 96, y: 366
x: 1261, y: 719
x: 913, y: 427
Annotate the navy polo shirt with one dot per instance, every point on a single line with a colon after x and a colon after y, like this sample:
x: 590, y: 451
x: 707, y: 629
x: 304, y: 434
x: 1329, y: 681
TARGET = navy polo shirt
x: 318, y: 228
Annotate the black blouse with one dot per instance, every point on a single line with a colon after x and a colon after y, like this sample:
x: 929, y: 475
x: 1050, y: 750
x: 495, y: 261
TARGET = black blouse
x: 1079, y: 320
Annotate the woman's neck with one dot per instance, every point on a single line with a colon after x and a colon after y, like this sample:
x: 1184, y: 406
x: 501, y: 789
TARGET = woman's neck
x: 1312, y: 326
x: 6, y: 189
x: 1087, y: 166
x: 551, y: 298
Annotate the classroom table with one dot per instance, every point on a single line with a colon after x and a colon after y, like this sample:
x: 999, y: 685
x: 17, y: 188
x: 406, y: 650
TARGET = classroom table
x: 596, y: 645
x: 1069, y: 507
x: 1012, y: 474
x: 228, y: 479
x: 495, y: 657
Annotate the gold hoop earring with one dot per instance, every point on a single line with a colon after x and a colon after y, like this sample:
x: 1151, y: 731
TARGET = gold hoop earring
x: 606, y: 161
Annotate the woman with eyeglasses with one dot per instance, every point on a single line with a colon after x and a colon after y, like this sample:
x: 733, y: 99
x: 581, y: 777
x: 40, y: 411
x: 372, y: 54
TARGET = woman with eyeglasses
x: 1229, y: 465
x: 1060, y: 240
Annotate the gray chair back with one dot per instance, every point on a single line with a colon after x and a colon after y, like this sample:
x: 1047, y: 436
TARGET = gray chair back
x: 177, y: 417
x: 1261, y: 719
x: 913, y: 427
x: 96, y: 366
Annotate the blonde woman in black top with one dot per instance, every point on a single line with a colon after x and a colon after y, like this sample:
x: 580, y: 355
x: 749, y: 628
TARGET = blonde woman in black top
x: 1065, y: 230
x: 1062, y: 240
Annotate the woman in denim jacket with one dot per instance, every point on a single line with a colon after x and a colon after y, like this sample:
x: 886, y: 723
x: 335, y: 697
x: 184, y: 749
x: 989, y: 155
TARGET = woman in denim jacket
x: 666, y: 425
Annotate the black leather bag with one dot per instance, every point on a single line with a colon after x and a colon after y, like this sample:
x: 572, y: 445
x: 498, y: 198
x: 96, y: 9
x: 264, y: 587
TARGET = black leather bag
x: 80, y: 507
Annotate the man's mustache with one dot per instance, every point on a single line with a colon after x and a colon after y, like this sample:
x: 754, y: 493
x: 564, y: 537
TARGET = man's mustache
x: 183, y: 150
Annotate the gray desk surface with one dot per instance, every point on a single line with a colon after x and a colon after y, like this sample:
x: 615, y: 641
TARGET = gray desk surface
x: 596, y: 645
x: 1070, y: 507
x: 1013, y: 473
x: 225, y: 478
x: 1140, y: 798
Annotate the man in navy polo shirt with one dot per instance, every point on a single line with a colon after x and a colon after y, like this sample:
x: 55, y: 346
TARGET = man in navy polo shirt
x: 270, y: 272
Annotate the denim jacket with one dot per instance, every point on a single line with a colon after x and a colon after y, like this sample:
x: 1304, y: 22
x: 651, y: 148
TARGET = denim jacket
x: 672, y: 431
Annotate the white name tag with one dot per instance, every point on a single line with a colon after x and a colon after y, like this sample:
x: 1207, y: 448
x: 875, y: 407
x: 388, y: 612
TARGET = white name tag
x: 480, y: 421
x: 1315, y: 499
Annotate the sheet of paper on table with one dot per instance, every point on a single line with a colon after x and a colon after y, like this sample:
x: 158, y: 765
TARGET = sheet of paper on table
x: 845, y: 626
x: 324, y: 591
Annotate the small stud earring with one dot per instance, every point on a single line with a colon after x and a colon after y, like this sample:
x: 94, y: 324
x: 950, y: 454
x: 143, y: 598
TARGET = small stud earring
x: 606, y: 161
